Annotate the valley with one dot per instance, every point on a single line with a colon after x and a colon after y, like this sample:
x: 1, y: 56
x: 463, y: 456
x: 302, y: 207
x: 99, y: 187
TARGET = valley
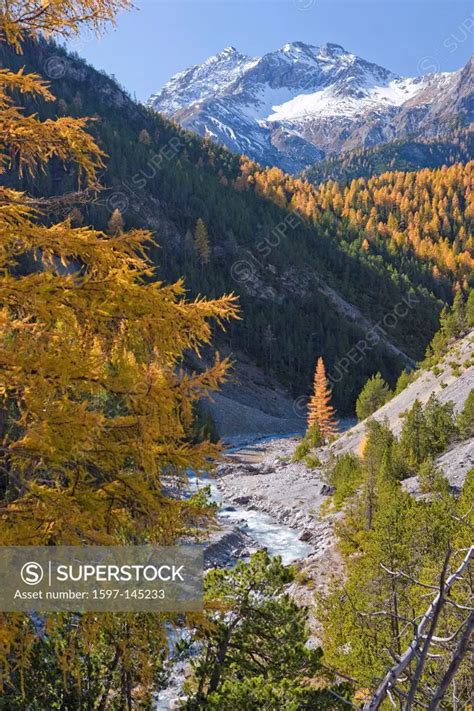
x: 238, y: 317
x: 296, y: 256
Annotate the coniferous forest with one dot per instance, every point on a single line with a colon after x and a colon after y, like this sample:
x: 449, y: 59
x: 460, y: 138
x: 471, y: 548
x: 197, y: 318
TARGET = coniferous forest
x: 271, y: 236
x: 337, y: 565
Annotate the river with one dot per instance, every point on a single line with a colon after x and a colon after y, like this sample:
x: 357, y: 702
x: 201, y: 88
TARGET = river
x: 261, y: 527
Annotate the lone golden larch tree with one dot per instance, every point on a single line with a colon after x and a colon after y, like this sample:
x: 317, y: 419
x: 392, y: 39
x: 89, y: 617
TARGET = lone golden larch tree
x: 321, y: 413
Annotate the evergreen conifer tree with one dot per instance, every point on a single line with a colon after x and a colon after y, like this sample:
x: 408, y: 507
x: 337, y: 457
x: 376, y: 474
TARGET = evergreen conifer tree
x: 465, y: 421
x: 373, y: 395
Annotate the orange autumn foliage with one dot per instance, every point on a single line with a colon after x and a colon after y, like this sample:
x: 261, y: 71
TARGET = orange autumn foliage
x: 320, y: 411
x: 427, y: 213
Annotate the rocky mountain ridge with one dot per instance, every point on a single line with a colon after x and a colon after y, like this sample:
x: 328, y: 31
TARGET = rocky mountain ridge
x: 302, y: 103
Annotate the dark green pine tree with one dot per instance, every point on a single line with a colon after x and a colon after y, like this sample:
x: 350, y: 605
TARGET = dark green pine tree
x: 373, y: 395
x: 413, y: 439
x: 253, y: 646
x: 465, y: 421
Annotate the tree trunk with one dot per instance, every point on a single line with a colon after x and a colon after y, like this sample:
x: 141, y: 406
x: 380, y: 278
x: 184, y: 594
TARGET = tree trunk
x: 220, y: 658
x: 459, y: 654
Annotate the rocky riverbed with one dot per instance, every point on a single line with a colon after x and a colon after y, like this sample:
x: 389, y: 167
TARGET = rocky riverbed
x: 249, y: 521
x: 262, y: 478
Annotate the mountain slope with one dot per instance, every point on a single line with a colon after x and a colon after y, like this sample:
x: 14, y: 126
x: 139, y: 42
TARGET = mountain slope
x: 407, y: 155
x: 299, y: 299
x: 303, y: 103
x: 450, y: 381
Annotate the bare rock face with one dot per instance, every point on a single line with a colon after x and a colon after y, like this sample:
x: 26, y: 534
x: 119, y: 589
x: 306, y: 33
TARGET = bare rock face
x: 301, y: 103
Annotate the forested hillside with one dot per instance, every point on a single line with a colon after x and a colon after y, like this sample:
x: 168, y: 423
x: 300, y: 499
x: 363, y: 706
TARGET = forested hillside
x: 279, y: 243
x: 318, y: 572
x: 407, y: 154
x: 425, y: 216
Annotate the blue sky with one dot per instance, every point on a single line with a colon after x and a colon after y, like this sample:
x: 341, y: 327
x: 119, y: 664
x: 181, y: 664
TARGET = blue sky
x: 162, y: 37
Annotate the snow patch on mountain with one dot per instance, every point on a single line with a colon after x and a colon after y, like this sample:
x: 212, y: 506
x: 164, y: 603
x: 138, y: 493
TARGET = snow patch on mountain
x: 328, y: 103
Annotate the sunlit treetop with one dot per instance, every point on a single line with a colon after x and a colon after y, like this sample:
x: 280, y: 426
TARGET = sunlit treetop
x: 30, y: 18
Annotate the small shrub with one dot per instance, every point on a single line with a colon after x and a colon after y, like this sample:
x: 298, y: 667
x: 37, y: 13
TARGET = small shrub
x: 311, y: 440
x: 301, y: 451
x: 302, y: 577
x: 313, y: 436
x: 312, y: 461
x: 465, y: 419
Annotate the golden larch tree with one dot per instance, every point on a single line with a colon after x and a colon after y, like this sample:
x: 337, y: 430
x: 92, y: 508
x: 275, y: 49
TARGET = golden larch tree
x: 116, y: 223
x: 320, y: 411
x: 201, y: 241
x: 144, y: 137
x: 95, y: 408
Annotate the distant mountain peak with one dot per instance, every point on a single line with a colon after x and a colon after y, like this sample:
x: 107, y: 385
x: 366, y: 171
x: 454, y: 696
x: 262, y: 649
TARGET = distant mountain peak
x: 304, y: 102
x: 298, y: 47
x: 333, y: 48
x: 226, y: 53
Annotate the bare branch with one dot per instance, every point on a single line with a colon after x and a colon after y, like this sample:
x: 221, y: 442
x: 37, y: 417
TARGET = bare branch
x: 395, y: 672
x: 458, y: 606
x: 459, y: 654
x: 401, y: 574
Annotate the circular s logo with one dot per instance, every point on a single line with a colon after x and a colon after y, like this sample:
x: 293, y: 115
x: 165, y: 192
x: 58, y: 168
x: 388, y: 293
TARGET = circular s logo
x: 32, y: 573
x: 242, y: 271
x: 428, y: 65
x: 117, y: 201
x: 300, y: 406
x: 55, y: 67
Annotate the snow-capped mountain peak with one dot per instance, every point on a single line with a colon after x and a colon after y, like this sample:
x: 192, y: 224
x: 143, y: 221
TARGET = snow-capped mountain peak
x: 202, y: 82
x: 302, y: 102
